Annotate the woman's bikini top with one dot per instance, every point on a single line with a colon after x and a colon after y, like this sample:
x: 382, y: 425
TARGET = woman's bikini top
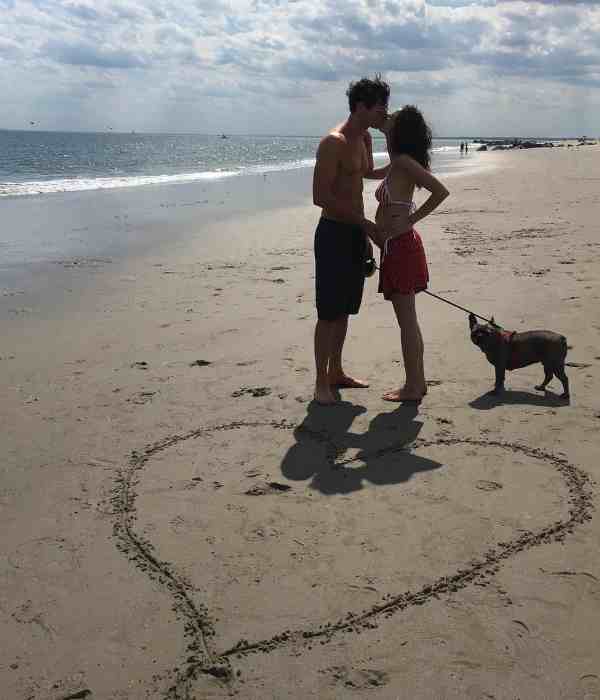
x: 383, y: 196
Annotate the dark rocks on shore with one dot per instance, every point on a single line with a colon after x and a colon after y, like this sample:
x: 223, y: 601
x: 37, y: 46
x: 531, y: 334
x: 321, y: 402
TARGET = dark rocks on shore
x: 535, y: 144
x: 509, y: 144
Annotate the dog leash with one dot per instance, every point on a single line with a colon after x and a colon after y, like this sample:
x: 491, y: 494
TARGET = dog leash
x: 462, y: 308
x: 372, y: 266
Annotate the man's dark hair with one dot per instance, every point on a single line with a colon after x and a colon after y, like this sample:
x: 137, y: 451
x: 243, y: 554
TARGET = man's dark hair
x: 411, y: 135
x: 369, y: 92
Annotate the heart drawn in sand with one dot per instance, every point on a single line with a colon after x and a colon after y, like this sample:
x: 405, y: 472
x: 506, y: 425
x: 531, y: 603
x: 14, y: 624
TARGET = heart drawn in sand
x: 240, y: 554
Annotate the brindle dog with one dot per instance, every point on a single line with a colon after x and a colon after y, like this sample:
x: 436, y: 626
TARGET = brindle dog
x: 511, y: 350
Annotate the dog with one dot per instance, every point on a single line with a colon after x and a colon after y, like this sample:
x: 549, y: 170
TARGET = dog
x: 511, y: 350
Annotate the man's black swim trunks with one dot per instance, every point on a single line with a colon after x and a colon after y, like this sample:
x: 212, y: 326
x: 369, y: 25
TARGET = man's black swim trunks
x: 340, y: 268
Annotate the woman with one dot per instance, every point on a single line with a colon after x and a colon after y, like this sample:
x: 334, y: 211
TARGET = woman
x: 403, y: 269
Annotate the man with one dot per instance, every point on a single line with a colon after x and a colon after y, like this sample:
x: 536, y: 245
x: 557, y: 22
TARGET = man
x: 344, y: 158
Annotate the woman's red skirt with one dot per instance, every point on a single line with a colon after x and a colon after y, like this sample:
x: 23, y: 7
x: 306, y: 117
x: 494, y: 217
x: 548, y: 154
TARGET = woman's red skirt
x: 403, y: 266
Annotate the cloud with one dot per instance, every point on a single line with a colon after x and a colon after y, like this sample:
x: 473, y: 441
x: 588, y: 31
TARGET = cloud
x: 81, y: 54
x: 173, y: 34
x: 83, y: 12
x: 564, y: 3
x: 9, y: 49
x: 310, y: 70
x: 273, y: 55
x: 461, y: 3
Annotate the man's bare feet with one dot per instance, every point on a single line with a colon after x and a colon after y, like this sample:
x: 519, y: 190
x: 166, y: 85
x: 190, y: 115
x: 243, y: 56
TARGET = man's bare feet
x: 324, y: 396
x: 404, y: 394
x: 343, y: 381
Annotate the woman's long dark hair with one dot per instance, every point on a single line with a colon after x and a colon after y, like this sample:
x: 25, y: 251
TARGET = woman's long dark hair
x: 411, y: 135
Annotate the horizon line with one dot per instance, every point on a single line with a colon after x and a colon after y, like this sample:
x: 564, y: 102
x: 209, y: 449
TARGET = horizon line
x: 135, y: 132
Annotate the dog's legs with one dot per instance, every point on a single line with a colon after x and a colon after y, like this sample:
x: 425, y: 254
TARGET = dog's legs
x: 548, y: 373
x: 500, y: 372
x: 560, y: 374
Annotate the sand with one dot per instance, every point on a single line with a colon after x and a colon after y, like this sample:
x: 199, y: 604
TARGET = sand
x: 178, y: 520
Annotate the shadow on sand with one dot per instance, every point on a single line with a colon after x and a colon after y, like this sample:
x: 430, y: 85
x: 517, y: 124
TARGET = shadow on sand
x: 487, y: 401
x: 339, y: 461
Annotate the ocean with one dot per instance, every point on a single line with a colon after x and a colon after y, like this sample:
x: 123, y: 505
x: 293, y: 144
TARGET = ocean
x: 41, y: 163
x: 78, y: 201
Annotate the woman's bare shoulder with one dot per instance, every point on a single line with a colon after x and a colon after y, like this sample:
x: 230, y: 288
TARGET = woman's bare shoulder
x: 400, y: 165
x: 403, y: 161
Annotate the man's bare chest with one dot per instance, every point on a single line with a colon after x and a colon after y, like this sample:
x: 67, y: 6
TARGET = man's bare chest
x: 352, y: 163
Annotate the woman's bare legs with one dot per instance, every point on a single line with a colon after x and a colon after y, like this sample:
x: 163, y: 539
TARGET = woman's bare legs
x: 421, y: 360
x: 411, y: 338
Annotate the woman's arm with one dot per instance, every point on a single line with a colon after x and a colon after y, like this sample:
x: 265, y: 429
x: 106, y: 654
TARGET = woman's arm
x: 377, y: 173
x: 423, y: 178
x: 372, y: 173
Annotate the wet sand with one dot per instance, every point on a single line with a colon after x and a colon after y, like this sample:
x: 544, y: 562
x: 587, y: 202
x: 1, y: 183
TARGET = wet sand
x: 178, y: 520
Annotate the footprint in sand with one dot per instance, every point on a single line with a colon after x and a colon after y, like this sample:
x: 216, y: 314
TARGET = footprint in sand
x: 483, y: 485
x: 358, y: 679
x: 527, y: 649
x: 264, y: 489
x: 200, y: 363
x: 142, y: 397
x: 140, y: 365
x: 252, y: 391
x: 590, y: 687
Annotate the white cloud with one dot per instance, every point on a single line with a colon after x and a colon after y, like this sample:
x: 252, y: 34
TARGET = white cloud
x: 274, y: 66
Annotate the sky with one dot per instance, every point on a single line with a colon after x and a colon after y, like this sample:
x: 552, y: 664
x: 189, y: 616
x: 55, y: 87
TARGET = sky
x: 479, y: 67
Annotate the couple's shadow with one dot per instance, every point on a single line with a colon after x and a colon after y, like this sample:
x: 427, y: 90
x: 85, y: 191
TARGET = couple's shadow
x: 339, y: 461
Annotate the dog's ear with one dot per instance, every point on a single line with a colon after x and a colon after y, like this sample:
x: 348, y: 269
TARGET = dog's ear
x: 472, y: 320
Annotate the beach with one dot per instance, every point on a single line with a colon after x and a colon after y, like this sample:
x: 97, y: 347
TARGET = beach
x: 179, y: 520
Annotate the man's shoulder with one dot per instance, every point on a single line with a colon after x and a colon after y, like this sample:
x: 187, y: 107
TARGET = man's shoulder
x: 332, y: 145
x: 335, y: 138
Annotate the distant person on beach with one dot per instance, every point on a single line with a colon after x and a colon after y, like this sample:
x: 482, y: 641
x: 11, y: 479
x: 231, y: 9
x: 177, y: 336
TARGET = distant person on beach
x: 462, y: 147
x: 403, y: 269
x: 344, y: 158
x: 466, y: 146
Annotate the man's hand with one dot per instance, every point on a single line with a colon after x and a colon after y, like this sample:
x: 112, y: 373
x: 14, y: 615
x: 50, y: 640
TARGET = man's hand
x: 370, y: 230
x: 374, y: 233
